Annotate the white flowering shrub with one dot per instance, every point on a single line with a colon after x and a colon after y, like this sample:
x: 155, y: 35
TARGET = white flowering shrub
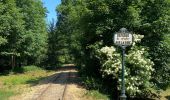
x: 138, y: 66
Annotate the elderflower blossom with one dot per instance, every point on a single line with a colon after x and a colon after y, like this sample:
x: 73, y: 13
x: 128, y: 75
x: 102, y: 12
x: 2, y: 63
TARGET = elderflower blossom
x: 108, y: 51
x: 137, y: 38
x: 137, y: 72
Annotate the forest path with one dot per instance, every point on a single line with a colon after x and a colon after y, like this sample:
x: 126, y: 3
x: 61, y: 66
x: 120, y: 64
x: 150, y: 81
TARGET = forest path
x: 63, y: 85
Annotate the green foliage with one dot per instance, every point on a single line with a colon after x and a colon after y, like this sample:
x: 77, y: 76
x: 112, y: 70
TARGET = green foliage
x: 12, y: 27
x: 23, y: 32
x: 2, y: 40
x: 34, y: 45
x: 4, y: 95
x: 68, y: 28
x: 52, y: 44
x: 15, y: 83
x: 93, y: 25
x: 162, y: 59
x: 91, y: 83
x: 26, y: 69
x: 27, y: 76
x: 97, y: 95
x: 138, y: 67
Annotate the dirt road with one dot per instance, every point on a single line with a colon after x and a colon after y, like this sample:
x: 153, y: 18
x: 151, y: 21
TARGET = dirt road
x: 60, y: 86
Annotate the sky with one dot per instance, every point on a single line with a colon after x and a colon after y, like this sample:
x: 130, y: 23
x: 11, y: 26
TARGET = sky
x: 51, y: 6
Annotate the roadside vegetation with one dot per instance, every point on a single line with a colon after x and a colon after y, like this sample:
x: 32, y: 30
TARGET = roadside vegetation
x: 18, y: 81
x: 96, y: 95
x: 91, y: 24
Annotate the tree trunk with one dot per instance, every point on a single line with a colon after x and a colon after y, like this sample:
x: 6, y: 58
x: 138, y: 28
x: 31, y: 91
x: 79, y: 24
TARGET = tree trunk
x: 12, y: 62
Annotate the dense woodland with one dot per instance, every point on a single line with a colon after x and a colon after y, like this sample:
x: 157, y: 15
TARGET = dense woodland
x: 83, y: 35
x: 23, y: 32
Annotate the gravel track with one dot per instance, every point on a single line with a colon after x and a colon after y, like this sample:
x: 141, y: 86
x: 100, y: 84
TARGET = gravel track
x: 53, y: 89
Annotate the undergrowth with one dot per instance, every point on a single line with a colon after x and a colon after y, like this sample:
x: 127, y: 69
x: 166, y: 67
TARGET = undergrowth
x: 20, y: 77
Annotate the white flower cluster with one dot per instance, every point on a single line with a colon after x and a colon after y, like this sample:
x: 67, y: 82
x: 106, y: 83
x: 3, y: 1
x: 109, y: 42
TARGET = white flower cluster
x: 138, y: 71
x: 108, y: 51
x: 137, y: 38
x: 136, y: 57
x: 131, y: 85
x: 111, y: 62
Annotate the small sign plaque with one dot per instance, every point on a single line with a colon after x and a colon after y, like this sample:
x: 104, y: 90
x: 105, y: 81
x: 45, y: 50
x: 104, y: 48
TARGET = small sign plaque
x: 123, y: 38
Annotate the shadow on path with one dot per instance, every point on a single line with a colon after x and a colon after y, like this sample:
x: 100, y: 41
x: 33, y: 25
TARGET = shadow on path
x: 68, y: 73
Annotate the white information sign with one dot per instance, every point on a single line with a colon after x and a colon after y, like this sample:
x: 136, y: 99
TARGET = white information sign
x: 123, y: 39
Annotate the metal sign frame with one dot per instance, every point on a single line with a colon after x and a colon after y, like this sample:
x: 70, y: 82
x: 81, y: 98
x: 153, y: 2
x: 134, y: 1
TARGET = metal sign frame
x: 124, y: 31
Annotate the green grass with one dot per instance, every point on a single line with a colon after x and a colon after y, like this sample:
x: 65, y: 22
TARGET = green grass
x: 96, y: 95
x: 26, y: 69
x: 31, y: 68
x: 15, y: 82
x: 4, y: 95
x: 30, y: 74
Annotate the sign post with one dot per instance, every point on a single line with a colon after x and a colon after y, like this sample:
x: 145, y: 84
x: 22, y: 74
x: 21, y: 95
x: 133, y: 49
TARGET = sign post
x: 123, y: 38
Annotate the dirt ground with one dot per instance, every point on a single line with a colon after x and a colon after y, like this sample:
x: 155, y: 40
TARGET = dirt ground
x: 74, y: 90
x: 52, y: 88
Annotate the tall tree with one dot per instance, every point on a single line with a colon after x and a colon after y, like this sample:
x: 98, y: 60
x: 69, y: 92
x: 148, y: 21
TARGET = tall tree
x: 69, y: 14
x: 52, y: 44
x: 11, y: 29
x: 34, y: 46
x: 23, y: 32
